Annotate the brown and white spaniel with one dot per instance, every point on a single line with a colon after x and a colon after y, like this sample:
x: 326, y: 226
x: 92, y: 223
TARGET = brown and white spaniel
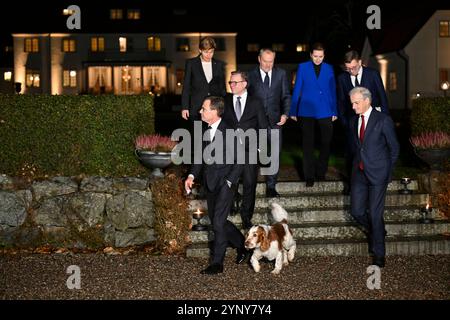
x: 272, y: 242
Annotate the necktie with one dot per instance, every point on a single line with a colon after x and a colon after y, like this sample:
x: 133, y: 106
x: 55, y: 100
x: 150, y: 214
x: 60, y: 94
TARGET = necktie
x: 238, y: 108
x: 209, y: 135
x: 356, y: 82
x: 362, y: 130
x: 267, y: 81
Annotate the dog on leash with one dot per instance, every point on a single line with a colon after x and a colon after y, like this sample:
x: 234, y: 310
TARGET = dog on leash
x: 274, y: 242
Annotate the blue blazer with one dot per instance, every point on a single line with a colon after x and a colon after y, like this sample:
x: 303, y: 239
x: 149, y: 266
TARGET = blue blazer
x: 371, y: 80
x: 379, y: 150
x: 314, y: 97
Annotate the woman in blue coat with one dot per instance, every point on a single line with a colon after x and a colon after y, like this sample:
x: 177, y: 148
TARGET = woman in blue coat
x: 314, y: 100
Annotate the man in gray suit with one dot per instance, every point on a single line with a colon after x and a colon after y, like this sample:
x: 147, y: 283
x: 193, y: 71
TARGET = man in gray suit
x: 270, y: 84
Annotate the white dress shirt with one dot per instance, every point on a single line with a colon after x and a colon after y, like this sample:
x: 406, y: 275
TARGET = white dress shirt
x: 366, y: 119
x: 263, y: 75
x: 243, y: 101
x: 207, y: 69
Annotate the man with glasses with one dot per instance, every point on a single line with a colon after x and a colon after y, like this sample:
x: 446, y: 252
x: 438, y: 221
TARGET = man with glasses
x: 270, y: 84
x: 357, y: 75
x: 244, y: 112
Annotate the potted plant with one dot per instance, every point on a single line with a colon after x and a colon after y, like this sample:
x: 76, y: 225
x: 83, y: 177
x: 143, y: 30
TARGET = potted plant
x: 432, y: 147
x: 154, y: 152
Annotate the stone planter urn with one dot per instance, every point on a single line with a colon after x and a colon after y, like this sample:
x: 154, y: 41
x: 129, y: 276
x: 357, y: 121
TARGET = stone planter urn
x: 154, y: 160
x: 433, y: 157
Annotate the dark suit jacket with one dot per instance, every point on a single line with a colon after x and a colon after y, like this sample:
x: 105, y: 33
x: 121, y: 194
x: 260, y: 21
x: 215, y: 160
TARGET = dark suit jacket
x: 276, y: 100
x: 196, y: 88
x: 216, y: 173
x: 379, y: 150
x: 253, y: 116
x: 371, y: 80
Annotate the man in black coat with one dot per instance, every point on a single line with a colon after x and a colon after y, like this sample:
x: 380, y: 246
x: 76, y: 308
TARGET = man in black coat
x: 244, y: 112
x: 271, y: 86
x: 220, y: 177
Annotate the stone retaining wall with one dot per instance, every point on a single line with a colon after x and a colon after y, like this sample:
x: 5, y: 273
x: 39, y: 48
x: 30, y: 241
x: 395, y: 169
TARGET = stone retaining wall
x: 83, y: 212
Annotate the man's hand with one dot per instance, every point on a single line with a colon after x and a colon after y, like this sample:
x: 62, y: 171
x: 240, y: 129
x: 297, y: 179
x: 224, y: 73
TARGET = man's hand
x: 188, y: 184
x: 334, y: 118
x: 282, y: 120
x: 185, y: 114
x: 294, y: 118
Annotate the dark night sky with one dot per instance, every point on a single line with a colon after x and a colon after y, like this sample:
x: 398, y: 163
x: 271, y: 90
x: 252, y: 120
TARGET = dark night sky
x: 339, y: 22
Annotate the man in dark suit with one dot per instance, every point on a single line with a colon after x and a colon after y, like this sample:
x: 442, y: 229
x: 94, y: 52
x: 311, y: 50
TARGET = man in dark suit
x: 204, y: 76
x: 357, y: 75
x: 271, y: 86
x: 375, y: 151
x: 220, y: 176
x: 244, y: 112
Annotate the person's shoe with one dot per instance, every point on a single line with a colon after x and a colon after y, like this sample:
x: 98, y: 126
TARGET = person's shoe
x: 213, y: 269
x: 378, y: 261
x: 309, y: 183
x: 241, y: 256
x: 271, y: 193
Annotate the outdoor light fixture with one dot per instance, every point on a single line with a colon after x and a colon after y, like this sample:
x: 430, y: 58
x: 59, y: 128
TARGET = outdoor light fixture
x: 405, y: 182
x: 197, y: 215
x: 444, y: 86
x: 426, y: 215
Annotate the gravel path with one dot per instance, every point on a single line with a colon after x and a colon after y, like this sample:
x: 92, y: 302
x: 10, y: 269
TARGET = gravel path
x: 145, y: 276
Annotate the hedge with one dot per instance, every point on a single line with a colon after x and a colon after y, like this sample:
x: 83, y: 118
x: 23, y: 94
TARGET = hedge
x: 429, y: 115
x: 71, y: 135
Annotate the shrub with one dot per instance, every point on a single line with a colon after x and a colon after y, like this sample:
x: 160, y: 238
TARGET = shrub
x: 72, y: 135
x: 430, y: 115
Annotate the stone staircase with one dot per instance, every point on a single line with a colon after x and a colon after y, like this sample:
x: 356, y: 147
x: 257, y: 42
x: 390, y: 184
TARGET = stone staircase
x: 320, y: 220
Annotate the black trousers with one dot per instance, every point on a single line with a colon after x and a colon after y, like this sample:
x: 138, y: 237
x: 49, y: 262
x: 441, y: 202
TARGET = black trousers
x: 225, y: 232
x: 249, y: 178
x: 311, y: 167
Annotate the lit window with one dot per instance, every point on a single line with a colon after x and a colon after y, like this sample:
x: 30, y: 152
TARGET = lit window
x: 116, y: 14
x: 444, y: 28
x: 278, y: 47
x: 154, y: 43
x: 133, y: 14
x: 69, y: 78
x: 32, y: 45
x: 183, y: 44
x: 392, y: 81
x: 69, y: 45
x: 33, y: 79
x: 301, y: 47
x: 97, y: 44
x: 7, y: 76
x: 123, y: 44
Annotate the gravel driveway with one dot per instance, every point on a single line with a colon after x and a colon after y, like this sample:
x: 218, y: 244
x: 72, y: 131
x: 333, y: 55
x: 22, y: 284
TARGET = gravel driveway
x: 146, y: 276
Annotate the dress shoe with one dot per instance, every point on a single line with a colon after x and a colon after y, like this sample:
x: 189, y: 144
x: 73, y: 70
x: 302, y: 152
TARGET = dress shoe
x: 241, y: 255
x: 213, y: 269
x: 271, y: 193
x: 309, y: 183
x: 378, y: 261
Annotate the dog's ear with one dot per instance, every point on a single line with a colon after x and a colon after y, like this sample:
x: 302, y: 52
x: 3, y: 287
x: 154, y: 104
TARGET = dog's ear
x: 264, y: 240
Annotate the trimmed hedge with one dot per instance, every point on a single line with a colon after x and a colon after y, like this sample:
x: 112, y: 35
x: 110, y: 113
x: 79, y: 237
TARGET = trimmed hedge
x: 72, y: 135
x: 430, y: 115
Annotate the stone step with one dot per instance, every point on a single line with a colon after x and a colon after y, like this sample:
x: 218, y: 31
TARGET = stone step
x: 349, y: 230
x: 299, y: 216
x: 314, y: 201
x: 418, y: 245
x: 299, y: 188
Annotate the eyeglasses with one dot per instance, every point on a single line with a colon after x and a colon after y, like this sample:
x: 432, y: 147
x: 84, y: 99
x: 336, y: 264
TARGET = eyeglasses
x: 233, y: 83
